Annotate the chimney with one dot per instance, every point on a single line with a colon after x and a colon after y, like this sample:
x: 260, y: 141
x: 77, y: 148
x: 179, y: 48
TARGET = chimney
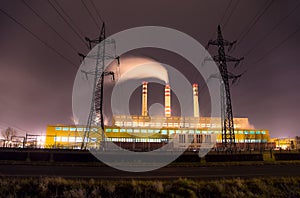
x: 196, y: 102
x: 167, y: 101
x: 144, y: 99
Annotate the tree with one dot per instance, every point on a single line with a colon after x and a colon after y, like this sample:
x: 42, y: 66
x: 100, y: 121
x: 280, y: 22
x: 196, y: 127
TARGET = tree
x: 7, y: 134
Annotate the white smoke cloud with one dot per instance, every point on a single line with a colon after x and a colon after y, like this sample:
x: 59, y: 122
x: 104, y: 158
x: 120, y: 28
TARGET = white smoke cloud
x: 140, y: 68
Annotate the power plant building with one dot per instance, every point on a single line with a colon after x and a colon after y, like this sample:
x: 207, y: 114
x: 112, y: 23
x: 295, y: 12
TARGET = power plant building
x: 148, y: 133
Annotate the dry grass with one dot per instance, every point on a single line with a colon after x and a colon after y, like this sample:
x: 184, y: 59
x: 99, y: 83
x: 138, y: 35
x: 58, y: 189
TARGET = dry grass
x: 59, y: 187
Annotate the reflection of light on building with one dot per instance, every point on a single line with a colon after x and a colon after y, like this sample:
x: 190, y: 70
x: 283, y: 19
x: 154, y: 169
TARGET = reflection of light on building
x: 285, y: 143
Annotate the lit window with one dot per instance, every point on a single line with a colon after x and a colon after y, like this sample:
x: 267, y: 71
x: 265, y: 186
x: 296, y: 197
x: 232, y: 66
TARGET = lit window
x: 115, y: 130
x: 252, y: 132
x: 71, y: 139
x: 263, y: 132
x: 72, y: 129
x: 129, y: 130
x: 257, y: 132
x: 65, y: 128
x: 79, y: 129
x: 57, y: 139
x: 122, y: 130
x: 191, y: 131
x: 144, y: 131
x: 164, y: 132
x: 93, y: 139
x: 171, y: 132
x: 58, y: 128
x: 136, y: 130
x: 78, y: 139
x: 204, y: 132
x: 150, y: 131
x: 64, y: 139
x: 108, y: 130
x: 198, y: 131
x: 246, y: 132
x: 240, y: 132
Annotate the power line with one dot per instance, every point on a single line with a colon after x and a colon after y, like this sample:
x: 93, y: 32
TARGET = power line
x: 97, y: 11
x: 273, y: 29
x: 70, y: 26
x: 91, y: 15
x: 38, y: 38
x: 253, y: 23
x: 231, y: 13
x: 224, y: 14
x: 51, y: 27
x: 278, y: 45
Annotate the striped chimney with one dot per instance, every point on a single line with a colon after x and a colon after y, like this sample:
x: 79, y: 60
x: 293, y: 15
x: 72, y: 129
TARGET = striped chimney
x: 196, y: 102
x: 167, y: 101
x: 144, y: 99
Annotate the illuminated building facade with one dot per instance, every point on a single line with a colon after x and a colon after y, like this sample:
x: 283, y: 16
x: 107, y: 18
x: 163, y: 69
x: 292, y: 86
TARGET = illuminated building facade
x: 140, y: 132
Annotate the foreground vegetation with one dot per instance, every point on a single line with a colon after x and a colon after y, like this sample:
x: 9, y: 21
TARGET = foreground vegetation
x: 59, y: 187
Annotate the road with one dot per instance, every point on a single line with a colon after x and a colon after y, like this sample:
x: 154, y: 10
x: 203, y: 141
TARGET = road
x: 163, y: 173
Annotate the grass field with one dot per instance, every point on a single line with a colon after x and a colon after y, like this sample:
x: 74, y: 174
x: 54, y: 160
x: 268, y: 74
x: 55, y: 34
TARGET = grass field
x: 59, y: 187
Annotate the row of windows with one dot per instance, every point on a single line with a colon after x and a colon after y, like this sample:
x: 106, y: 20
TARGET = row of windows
x: 73, y: 139
x: 73, y: 129
x: 165, y: 124
x: 136, y: 140
x: 178, y: 131
x: 248, y: 140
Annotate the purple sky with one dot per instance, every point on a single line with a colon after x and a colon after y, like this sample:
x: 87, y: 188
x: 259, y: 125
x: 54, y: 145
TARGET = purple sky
x: 36, y: 83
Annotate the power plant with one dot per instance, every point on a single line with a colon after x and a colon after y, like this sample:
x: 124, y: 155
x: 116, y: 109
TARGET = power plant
x: 142, y: 132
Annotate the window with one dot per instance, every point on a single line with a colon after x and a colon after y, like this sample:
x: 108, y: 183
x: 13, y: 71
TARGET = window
x: 252, y: 132
x: 246, y: 132
x: 263, y: 132
x: 57, y: 128
x: 93, y: 139
x: 72, y: 129
x: 164, y: 132
x: 79, y: 129
x: 136, y: 130
x: 129, y: 130
x: 115, y: 130
x: 198, y: 131
x: 122, y: 130
x: 64, y: 139
x: 71, y: 139
x: 108, y: 130
x: 191, y: 131
x: 57, y: 139
x: 150, y: 130
x: 144, y: 131
x: 65, y: 128
x: 240, y: 132
x: 181, y: 138
x: 171, y: 131
x: 257, y: 132
x: 204, y: 132
x: 78, y: 139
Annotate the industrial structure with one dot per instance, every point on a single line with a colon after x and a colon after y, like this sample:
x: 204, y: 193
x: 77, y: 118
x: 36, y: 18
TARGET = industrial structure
x: 228, y: 134
x: 142, y: 132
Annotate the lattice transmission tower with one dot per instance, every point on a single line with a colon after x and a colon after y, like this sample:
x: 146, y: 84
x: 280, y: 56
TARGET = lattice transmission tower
x: 106, y: 50
x: 228, y: 135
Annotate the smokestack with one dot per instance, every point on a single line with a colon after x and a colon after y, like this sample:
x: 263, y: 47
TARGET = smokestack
x: 144, y: 99
x: 167, y: 101
x: 196, y: 102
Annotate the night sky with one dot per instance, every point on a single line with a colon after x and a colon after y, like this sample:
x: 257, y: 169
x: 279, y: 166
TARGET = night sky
x: 36, y: 83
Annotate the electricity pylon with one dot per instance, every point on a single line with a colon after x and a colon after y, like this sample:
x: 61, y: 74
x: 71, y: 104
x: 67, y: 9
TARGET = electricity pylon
x: 228, y: 136
x: 95, y: 123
